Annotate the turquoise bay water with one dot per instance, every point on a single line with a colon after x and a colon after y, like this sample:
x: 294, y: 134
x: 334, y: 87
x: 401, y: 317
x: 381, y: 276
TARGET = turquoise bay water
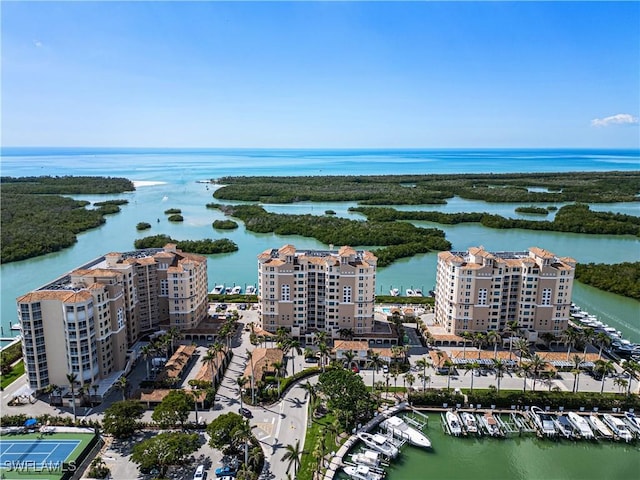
x: 177, y: 171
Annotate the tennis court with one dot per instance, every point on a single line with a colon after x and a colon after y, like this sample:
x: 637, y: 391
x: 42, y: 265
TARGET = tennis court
x: 36, y: 451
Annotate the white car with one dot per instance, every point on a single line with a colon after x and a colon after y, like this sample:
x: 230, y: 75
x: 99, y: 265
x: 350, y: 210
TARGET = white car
x: 199, y: 475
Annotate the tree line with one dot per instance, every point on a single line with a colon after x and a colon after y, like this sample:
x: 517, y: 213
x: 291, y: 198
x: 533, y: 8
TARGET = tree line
x: 65, y: 185
x: 206, y: 246
x: 596, y: 187
x: 620, y: 278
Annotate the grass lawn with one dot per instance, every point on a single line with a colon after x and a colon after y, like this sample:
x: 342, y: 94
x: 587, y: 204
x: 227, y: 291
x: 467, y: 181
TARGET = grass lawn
x: 16, y: 372
x: 314, y: 432
x: 37, y: 471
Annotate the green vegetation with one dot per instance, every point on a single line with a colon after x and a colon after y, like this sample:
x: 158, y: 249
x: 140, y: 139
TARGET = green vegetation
x: 320, y: 435
x: 576, y: 218
x: 204, y: 247
x: 597, y: 187
x: 347, y: 396
x: 620, y: 278
x: 173, y: 410
x: 240, y: 298
x: 172, y: 211
x: 532, y: 209
x: 401, y: 239
x: 65, y: 185
x: 176, y: 218
x: 121, y: 418
x: 36, y: 221
x: 165, y: 450
x: 10, y: 355
x: 143, y: 226
x: 110, y: 202
x: 12, y: 375
x: 225, y: 225
x: 552, y: 208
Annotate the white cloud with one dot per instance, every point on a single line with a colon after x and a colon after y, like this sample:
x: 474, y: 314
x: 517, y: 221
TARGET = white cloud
x: 619, y: 119
x: 37, y: 43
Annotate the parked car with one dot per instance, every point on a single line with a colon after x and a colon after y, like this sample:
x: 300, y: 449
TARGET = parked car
x: 245, y: 412
x: 199, y: 474
x: 226, y: 470
x: 385, y: 369
x: 311, y: 359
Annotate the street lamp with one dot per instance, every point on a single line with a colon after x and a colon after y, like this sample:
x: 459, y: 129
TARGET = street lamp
x: 195, y: 389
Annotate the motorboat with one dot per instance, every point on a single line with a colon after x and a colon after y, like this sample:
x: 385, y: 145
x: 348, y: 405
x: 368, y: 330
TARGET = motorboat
x: 544, y: 422
x: 491, y: 424
x: 618, y: 426
x: 453, y: 421
x: 228, y: 290
x: 236, y: 290
x: 469, y: 422
x: 370, y: 458
x: 394, y: 292
x: 410, y: 293
x: 218, y: 290
x: 581, y: 424
x: 379, y: 443
x: 565, y: 427
x: 600, y: 426
x: 363, y: 472
x: 400, y: 429
x: 417, y: 293
x: 251, y: 290
x: 16, y: 327
x: 633, y: 421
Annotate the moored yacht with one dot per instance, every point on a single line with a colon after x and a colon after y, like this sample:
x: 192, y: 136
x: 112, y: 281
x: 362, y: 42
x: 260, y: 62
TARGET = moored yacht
x: 363, y: 472
x: 491, y: 424
x: 469, y: 422
x: 453, y: 421
x: 251, y: 290
x: 15, y: 327
x: 544, y: 422
x: 394, y: 292
x: 236, y: 290
x: 379, y: 443
x: 417, y: 292
x: 618, y: 426
x: 564, y: 426
x: 581, y: 424
x: 633, y: 421
x: 399, y: 428
x: 410, y: 293
x: 370, y: 458
x: 218, y: 290
x: 599, y: 426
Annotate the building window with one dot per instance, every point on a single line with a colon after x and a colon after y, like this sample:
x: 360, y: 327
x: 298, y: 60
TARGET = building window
x: 285, y: 293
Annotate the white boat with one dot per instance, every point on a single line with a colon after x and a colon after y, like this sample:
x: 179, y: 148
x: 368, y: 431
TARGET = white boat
x: 491, y: 424
x: 544, y: 421
x: 399, y: 428
x: 410, y: 293
x: 618, y: 426
x: 251, y: 290
x: 228, y: 290
x: 417, y: 292
x: 581, y: 424
x: 236, y: 290
x: 362, y: 472
x: 218, y: 290
x: 454, y: 423
x: 15, y: 327
x: 633, y: 420
x: 394, y: 292
x: 565, y: 427
x: 600, y: 426
x: 370, y: 458
x: 379, y: 443
x: 469, y: 422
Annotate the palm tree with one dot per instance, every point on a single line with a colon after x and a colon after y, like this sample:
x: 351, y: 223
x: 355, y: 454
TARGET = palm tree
x: 537, y: 363
x: 577, y: 361
x: 278, y: 368
x: 525, y: 369
x: 312, y: 392
x: 122, y: 386
x: 146, y: 353
x: 324, y: 353
x: 499, y: 367
x: 632, y: 368
x: 621, y: 383
x: 512, y: 328
x: 604, y: 368
x: 440, y: 355
x: 294, y: 347
x: 217, y: 348
x: 425, y: 378
x: 346, y: 333
x: 522, y: 347
x: 173, y: 334
x: 320, y: 337
x: 292, y: 456
x: 603, y: 340
x: 241, y: 382
x: 72, y: 378
x: 471, y: 367
x: 349, y: 355
x: 253, y: 381
x: 375, y: 362
x: 423, y: 363
x: 255, y: 454
x: 95, y: 387
x: 466, y: 335
x: 308, y: 352
x: 395, y: 373
x: 242, y: 435
x: 571, y: 336
x: 210, y: 359
x: 587, y: 336
x: 493, y: 337
x: 449, y: 366
x: 547, y: 338
x: 410, y: 379
x: 479, y: 338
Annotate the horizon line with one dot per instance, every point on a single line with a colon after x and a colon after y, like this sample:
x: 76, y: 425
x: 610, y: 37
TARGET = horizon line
x: 319, y: 148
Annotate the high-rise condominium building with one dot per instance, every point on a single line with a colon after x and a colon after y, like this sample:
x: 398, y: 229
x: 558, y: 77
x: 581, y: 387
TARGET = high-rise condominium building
x: 479, y: 290
x: 84, y: 322
x: 317, y: 290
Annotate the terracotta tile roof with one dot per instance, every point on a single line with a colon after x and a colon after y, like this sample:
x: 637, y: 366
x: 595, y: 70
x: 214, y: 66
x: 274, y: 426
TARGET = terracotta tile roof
x: 67, y: 296
x: 355, y: 345
x: 263, y: 359
x: 96, y: 272
x: 206, y: 371
x: 276, y: 262
x: 346, y: 251
x: 178, y: 360
x: 287, y: 250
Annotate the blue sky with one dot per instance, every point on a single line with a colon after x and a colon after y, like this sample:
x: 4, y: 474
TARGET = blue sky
x: 311, y: 74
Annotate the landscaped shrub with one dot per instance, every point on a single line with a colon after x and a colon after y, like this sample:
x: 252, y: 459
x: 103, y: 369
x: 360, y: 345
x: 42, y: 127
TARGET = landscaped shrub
x: 143, y: 226
x: 172, y: 211
x: 176, y: 218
